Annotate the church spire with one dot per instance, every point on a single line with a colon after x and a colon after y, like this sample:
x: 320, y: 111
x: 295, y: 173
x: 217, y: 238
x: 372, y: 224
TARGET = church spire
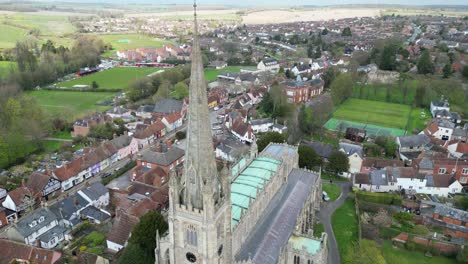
x: 200, y: 166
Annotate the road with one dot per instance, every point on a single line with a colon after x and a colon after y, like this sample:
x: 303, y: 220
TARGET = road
x: 324, y: 216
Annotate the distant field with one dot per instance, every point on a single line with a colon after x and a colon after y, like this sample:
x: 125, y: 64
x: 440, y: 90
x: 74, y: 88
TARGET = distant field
x: 212, y: 74
x: 115, y: 78
x: 10, y: 35
x: 5, y: 67
x: 424, y: 12
x: 375, y: 113
x: 70, y: 104
x: 419, y: 118
x: 130, y: 41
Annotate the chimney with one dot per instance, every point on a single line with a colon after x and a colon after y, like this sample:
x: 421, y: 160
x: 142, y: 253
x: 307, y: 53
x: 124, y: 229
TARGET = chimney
x: 66, y: 166
x: 126, y: 133
x: 23, y: 182
x: 157, y: 148
x: 75, y: 200
x: 168, y: 143
x: 114, y: 135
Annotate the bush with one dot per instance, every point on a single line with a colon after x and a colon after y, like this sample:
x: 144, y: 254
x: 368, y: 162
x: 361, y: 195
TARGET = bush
x: 420, y: 230
x: 180, y: 135
x: 83, y: 248
x: 381, y: 198
x: 388, y: 233
x: 403, y: 217
x: 410, y: 245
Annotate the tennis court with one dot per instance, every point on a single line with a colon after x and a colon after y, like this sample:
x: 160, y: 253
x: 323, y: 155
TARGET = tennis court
x: 372, y: 130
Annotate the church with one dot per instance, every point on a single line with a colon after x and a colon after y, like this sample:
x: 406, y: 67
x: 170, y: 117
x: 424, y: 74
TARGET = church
x: 260, y: 210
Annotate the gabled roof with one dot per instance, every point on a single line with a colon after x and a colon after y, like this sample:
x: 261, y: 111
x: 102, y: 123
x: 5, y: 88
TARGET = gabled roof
x: 65, y: 208
x: 381, y: 163
x: 17, y: 251
x: 324, y: 150
x: 362, y: 178
x: 163, y: 158
x: 25, y: 225
x: 95, y: 191
x: 414, y: 140
x: 351, y: 149
x: 37, y: 182
x: 69, y: 170
x: 18, y: 194
x: 122, y: 228
x: 168, y: 106
x: 121, y: 142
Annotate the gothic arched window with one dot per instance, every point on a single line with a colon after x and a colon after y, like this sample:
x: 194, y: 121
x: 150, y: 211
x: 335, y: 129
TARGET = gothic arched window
x: 191, y: 236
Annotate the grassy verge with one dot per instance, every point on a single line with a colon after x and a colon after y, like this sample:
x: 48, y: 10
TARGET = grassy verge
x: 332, y: 190
x: 345, y: 228
x: 330, y: 176
x: 403, y: 256
x: 318, y: 229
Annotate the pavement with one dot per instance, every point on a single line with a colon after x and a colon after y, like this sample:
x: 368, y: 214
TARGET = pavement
x: 324, y: 215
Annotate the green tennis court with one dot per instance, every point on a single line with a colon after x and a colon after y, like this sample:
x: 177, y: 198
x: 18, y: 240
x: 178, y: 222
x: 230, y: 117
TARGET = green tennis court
x: 372, y: 130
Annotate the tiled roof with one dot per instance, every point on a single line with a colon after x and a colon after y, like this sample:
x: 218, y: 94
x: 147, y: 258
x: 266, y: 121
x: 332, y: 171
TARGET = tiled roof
x: 381, y: 163
x: 11, y: 250
x: 122, y: 228
x: 18, y: 194
x: 163, y: 158
x: 37, y: 182
x: 69, y: 170
x: 362, y: 178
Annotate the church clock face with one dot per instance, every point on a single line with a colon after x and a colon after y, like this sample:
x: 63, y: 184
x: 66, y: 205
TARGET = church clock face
x: 191, y: 257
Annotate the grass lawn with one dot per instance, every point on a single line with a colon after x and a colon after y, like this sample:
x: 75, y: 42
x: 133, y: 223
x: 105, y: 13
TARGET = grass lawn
x: 11, y: 34
x: 62, y: 135
x: 328, y: 176
x: 375, y: 113
x: 212, y: 74
x: 70, y: 104
x: 345, y: 228
x: 130, y: 41
x: 332, y: 190
x: 418, y: 120
x: 400, y: 94
x: 402, y: 256
x: 52, y: 145
x: 318, y: 229
x: 115, y: 78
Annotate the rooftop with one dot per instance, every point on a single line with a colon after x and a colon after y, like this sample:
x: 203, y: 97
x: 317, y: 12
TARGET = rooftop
x: 312, y: 245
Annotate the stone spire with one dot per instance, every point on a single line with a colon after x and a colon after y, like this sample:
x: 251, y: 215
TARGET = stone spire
x: 200, y: 166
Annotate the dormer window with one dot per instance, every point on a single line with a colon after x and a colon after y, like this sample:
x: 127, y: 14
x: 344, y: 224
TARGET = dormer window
x: 41, y: 219
x: 33, y: 223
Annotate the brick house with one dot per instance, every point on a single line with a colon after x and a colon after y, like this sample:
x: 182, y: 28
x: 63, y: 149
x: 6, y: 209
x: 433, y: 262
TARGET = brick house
x: 444, y: 166
x: 148, y: 135
x: 81, y: 127
x: 454, y: 221
x: 42, y: 186
x: 300, y: 91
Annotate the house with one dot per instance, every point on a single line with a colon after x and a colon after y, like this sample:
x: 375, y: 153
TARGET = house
x: 14, y: 251
x: 355, y: 155
x: 269, y: 64
x: 451, y: 219
x: 261, y: 125
x: 95, y: 215
x: 121, y: 231
x: 120, y: 112
x: 70, y: 174
x: 217, y: 65
x: 457, y: 148
x: 324, y: 150
x: 440, y: 129
x: 230, y: 149
x: 150, y: 134
x: 453, y: 117
x: 68, y: 210
x: 172, y: 121
x: 302, y: 91
x: 81, y: 127
x: 42, y: 186
x: 409, y: 147
x: 96, y: 194
x: 437, y: 105
x: 375, y: 181
x: 125, y: 145
x: 166, y: 106
x: 355, y: 134
x: 370, y: 164
x: 41, y: 228
x: 279, y: 128
x: 19, y: 200
x: 242, y: 131
x: 221, y: 94
x: 301, y: 69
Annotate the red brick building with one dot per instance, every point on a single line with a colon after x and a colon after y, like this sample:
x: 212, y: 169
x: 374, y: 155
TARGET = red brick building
x: 81, y: 127
x: 299, y: 91
x: 436, y: 165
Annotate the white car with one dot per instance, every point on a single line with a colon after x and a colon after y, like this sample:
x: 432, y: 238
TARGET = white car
x: 325, y: 196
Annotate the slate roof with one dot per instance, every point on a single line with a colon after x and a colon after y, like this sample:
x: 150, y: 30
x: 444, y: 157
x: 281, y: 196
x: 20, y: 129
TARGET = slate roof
x: 163, y: 158
x: 414, y: 140
x: 95, y: 213
x: 324, y: 150
x: 95, y: 191
x: 270, y: 61
x: 439, y: 103
x: 379, y: 177
x: 257, y: 122
x: 68, y: 206
x: 26, y: 230
x: 168, y: 106
x: 451, y: 212
x: 54, y: 232
x: 350, y: 149
x: 13, y: 251
x: 121, y: 142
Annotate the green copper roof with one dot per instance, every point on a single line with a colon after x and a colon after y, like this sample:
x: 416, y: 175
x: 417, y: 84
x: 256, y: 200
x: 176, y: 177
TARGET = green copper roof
x: 312, y: 246
x: 238, y: 166
x: 244, y: 187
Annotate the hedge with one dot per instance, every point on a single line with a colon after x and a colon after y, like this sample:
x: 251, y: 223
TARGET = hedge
x: 388, y: 233
x: 118, y: 173
x: 381, y: 198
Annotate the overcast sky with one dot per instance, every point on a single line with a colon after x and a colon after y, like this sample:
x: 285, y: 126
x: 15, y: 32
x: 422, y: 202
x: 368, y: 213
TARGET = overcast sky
x: 304, y: 2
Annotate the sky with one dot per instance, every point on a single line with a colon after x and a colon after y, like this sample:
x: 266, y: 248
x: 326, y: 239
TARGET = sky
x: 283, y: 2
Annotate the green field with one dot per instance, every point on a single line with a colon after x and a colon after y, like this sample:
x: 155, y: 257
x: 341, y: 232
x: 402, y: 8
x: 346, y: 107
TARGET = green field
x: 332, y: 190
x: 400, y: 94
x: 402, y: 256
x: 419, y: 118
x: 10, y: 35
x: 345, y: 228
x: 212, y: 74
x: 70, y: 104
x: 130, y: 41
x: 373, y: 112
x: 115, y: 78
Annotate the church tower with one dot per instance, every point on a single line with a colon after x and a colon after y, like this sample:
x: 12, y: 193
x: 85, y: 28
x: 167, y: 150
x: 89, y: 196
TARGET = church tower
x: 199, y: 201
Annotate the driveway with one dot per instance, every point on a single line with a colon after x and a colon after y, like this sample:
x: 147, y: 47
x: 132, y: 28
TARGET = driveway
x: 324, y: 216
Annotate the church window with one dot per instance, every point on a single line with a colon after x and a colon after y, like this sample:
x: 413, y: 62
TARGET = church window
x: 191, y: 236
x: 309, y: 261
x: 297, y: 260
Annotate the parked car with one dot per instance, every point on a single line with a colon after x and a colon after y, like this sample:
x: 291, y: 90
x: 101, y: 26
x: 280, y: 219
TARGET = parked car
x: 107, y: 174
x: 325, y: 196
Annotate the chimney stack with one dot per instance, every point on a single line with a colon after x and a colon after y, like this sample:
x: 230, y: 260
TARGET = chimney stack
x: 168, y: 143
x: 75, y: 200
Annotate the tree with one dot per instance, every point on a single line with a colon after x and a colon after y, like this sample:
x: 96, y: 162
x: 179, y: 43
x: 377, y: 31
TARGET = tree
x: 341, y: 88
x: 388, y: 57
x: 94, y: 85
x: 325, y: 31
x: 318, y: 53
x: 288, y: 73
x: 465, y: 71
x: 133, y: 253
x: 367, y: 252
x: 346, y: 32
x: 447, y: 70
x: 420, y: 230
x: 308, y: 158
x: 268, y: 137
x: 144, y: 233
x: 462, y: 256
x: 180, y: 91
x: 329, y: 76
x: 338, y: 162
x: 425, y: 65
x: 180, y: 135
x: 382, y: 218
